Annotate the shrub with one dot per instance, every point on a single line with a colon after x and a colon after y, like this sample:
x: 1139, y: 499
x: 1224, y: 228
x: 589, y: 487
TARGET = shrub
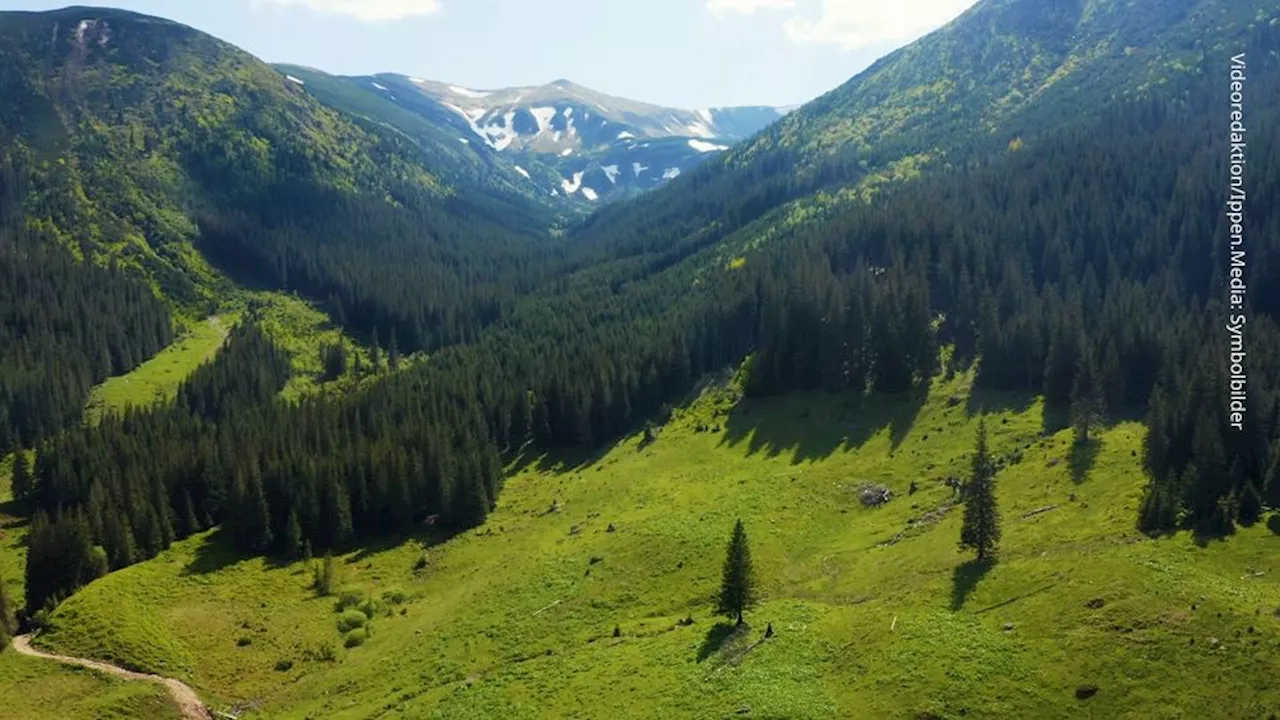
x: 284, y: 666
x: 369, y: 607
x: 421, y: 564
x: 394, y: 596
x: 355, y: 638
x: 349, y: 597
x: 244, y: 641
x: 350, y: 620
x: 320, y: 652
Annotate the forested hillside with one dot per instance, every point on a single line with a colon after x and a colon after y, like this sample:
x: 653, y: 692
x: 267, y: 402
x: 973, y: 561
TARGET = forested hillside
x: 1062, y: 244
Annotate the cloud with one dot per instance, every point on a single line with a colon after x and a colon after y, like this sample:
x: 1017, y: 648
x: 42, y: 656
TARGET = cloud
x: 364, y: 10
x: 747, y: 7
x: 853, y: 24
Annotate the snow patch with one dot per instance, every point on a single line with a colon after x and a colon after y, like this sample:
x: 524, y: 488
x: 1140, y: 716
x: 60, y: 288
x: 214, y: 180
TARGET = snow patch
x: 293, y: 79
x: 706, y: 147
x: 567, y: 152
x: 638, y: 168
x: 590, y: 194
x: 671, y: 174
x: 464, y: 141
x: 468, y: 92
x: 568, y: 112
x: 572, y: 187
x: 420, y: 81
x: 380, y: 87
x: 523, y: 172
x: 624, y: 135
x: 611, y: 172
x: 543, y: 116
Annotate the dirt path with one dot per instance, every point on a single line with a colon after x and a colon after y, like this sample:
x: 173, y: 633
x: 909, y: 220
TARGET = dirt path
x: 183, y: 696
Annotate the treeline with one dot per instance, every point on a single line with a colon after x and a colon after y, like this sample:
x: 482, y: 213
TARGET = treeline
x: 65, y: 325
x: 279, y: 478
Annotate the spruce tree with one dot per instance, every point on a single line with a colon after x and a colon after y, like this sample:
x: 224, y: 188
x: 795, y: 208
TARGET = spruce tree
x: 738, y: 585
x: 981, y: 528
x: 1088, y: 404
x: 23, y: 484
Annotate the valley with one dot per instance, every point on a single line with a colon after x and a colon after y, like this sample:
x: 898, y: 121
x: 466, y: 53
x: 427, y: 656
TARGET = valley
x: 370, y: 396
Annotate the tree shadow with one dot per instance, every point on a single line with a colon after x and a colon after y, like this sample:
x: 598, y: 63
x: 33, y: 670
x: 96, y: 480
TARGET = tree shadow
x: 965, y: 579
x: 1273, y: 523
x: 214, y: 554
x: 1082, y: 458
x: 1054, y: 419
x: 984, y: 401
x: 716, y: 638
x: 817, y: 429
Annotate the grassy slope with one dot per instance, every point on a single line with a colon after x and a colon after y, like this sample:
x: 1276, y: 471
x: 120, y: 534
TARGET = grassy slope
x: 158, y: 378
x: 32, y: 689
x: 514, y: 620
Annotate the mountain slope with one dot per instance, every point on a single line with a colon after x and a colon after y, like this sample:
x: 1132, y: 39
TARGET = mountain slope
x: 1003, y: 72
x: 559, y: 140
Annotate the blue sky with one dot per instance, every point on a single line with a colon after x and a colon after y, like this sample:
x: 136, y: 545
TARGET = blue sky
x: 683, y: 53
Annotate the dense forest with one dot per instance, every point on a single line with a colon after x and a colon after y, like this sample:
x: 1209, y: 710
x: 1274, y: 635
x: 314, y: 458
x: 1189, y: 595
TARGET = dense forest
x: 65, y: 325
x: 1087, y: 271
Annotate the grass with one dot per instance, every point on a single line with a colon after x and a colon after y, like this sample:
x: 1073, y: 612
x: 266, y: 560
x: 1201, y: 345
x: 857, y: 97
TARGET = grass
x: 876, y: 612
x: 301, y: 329
x: 35, y: 689
x: 158, y: 379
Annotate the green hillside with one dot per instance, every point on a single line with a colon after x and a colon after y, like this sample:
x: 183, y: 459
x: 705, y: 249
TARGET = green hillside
x: 523, y: 457
x: 875, y: 611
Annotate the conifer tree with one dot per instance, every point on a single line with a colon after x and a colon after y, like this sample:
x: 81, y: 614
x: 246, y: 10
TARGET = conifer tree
x: 1088, y: 404
x: 981, y: 528
x: 738, y: 584
x: 22, y: 481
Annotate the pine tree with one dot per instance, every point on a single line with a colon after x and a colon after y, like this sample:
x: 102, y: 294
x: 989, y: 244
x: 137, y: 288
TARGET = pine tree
x: 738, y: 585
x: 981, y: 528
x: 293, y: 536
x: 1088, y: 404
x: 23, y: 484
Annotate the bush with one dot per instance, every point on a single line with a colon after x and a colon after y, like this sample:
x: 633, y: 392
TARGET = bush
x: 355, y: 638
x: 369, y: 607
x: 320, y: 652
x: 394, y: 596
x: 350, y: 620
x: 244, y: 641
x: 421, y: 564
x: 284, y: 666
x: 350, y: 597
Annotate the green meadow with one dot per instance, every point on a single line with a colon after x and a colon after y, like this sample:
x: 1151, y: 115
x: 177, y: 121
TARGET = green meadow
x: 588, y: 591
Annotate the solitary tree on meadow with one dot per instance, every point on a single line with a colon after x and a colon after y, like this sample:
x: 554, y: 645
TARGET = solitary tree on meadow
x: 738, y: 586
x: 1088, y: 402
x: 981, y: 528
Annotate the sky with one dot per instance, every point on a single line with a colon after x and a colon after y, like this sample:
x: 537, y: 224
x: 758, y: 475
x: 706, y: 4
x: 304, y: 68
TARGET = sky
x: 681, y: 53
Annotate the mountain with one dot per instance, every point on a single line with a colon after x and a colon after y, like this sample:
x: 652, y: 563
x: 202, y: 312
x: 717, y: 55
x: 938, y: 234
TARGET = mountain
x: 560, y: 140
x: 996, y: 77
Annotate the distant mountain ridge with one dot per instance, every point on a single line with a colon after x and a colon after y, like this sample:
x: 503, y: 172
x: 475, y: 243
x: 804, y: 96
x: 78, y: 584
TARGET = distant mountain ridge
x: 563, y: 140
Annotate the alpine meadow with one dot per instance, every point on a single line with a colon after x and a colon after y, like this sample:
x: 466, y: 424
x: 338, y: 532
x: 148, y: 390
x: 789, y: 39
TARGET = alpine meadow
x: 951, y: 393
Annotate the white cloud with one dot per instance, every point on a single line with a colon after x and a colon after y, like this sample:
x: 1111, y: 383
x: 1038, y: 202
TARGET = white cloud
x: 853, y: 24
x: 747, y: 7
x: 364, y: 10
